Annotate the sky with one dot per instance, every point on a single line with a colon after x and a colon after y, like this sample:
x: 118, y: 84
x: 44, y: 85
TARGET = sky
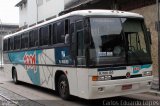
x: 8, y: 12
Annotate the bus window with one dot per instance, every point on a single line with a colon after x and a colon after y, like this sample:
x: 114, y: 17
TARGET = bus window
x: 50, y: 33
x: 33, y: 38
x: 60, y: 32
x: 79, y: 25
x: 24, y: 40
x: 11, y: 43
x: 17, y: 42
x: 72, y: 31
x: 5, y: 45
x: 80, y: 43
x: 67, y: 36
x: 72, y: 39
x: 66, y: 26
x: 44, y: 35
x: 54, y: 34
x: 80, y: 40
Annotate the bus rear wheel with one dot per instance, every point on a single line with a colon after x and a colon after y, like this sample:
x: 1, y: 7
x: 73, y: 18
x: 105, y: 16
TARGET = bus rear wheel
x: 15, y: 78
x: 63, y: 87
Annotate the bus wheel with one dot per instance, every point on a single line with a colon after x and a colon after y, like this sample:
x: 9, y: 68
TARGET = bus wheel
x: 63, y: 87
x: 15, y: 78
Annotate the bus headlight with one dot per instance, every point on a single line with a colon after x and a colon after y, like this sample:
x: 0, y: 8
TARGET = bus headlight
x: 101, y: 78
x: 147, y: 73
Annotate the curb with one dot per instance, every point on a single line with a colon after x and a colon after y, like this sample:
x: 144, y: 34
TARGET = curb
x: 153, y: 92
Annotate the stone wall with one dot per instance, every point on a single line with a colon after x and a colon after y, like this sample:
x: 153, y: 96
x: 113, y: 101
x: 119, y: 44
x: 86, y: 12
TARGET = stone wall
x: 150, y: 14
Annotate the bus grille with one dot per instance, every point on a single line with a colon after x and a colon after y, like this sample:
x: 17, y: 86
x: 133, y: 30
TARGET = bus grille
x: 124, y: 77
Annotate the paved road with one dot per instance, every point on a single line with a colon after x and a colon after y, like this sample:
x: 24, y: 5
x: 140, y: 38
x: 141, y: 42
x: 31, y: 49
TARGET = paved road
x: 29, y: 95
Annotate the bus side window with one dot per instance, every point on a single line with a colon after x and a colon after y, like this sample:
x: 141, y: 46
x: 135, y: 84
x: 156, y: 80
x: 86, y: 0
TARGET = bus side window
x: 9, y: 39
x: 54, y: 34
x: 72, y: 31
x: 24, y: 40
x: 11, y: 43
x: 72, y: 39
x: 80, y: 43
x: 44, y: 35
x: 50, y: 34
x: 60, y: 32
x: 67, y: 35
x: 17, y: 42
x: 33, y: 38
x: 5, y: 45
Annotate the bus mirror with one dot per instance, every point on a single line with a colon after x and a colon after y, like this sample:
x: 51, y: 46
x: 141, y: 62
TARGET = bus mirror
x: 149, y: 36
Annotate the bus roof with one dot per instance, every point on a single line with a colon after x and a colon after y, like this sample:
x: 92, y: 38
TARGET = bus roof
x: 113, y: 13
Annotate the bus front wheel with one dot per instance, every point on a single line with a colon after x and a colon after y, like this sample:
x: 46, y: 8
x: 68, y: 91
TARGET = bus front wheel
x: 15, y: 78
x: 63, y: 87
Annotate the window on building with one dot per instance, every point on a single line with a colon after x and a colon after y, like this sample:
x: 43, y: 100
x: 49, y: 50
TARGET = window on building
x: 39, y: 2
x: 21, y: 7
x: 25, y: 4
x: 24, y: 40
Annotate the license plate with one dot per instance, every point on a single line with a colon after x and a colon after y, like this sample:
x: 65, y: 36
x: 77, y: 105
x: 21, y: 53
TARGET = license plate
x: 126, y: 87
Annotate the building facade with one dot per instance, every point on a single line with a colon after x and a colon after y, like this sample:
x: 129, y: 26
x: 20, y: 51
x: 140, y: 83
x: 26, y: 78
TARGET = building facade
x: 35, y: 11
x: 32, y: 12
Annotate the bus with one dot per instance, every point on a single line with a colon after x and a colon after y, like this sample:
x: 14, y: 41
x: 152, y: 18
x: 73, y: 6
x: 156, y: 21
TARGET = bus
x: 90, y: 54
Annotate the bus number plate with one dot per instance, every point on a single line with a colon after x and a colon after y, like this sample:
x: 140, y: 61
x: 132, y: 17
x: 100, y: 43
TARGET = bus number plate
x: 126, y: 87
x: 105, y: 73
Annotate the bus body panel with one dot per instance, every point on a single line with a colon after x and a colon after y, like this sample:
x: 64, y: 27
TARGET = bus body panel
x: 41, y: 74
x: 83, y: 82
x: 114, y: 88
x: 80, y: 79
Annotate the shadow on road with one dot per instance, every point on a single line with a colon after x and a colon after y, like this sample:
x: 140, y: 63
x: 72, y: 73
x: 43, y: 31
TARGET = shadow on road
x: 75, y: 101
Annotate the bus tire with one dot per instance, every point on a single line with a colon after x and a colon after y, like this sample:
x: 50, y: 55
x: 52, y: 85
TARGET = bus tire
x: 15, y: 78
x: 63, y: 87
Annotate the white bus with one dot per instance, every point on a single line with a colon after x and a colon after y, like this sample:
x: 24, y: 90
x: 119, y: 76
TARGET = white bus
x: 90, y: 54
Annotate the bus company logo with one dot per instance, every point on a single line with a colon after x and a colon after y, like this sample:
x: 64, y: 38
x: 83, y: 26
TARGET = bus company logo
x: 30, y: 61
x: 128, y: 75
x: 136, y: 69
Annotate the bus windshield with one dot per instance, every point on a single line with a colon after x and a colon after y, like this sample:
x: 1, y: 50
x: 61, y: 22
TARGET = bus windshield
x: 118, y: 41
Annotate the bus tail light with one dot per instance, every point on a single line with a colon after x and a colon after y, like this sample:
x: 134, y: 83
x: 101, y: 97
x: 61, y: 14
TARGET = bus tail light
x: 101, y: 78
x: 147, y: 73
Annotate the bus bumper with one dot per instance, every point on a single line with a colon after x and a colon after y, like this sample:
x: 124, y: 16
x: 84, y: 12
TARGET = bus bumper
x: 111, y: 88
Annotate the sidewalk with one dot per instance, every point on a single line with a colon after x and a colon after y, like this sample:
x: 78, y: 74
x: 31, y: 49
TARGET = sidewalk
x: 155, y: 87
